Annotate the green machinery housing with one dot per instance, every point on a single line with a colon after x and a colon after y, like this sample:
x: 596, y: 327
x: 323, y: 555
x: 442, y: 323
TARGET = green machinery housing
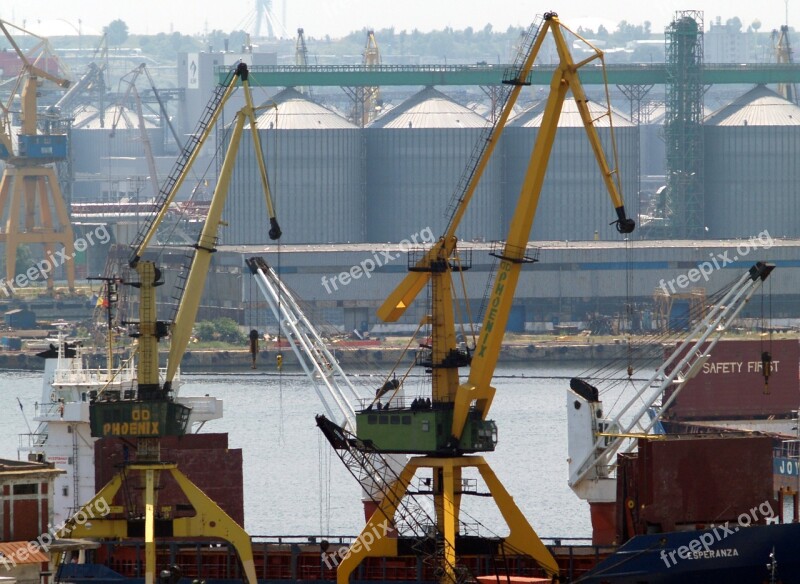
x: 424, y: 431
x: 142, y: 419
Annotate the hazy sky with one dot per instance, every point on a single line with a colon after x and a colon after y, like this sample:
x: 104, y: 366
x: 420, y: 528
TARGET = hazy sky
x: 338, y: 17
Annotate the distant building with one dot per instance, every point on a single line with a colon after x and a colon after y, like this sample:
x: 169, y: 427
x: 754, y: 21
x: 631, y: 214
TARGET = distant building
x: 725, y: 43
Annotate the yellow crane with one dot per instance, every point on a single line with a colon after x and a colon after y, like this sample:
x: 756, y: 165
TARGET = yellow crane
x: 367, y: 100
x: 30, y: 195
x: 446, y: 435
x: 784, y: 55
x: 153, y: 412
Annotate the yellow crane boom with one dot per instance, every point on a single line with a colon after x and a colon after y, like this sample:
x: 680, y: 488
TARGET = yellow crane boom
x: 189, y: 302
x: 240, y: 74
x: 450, y: 430
x: 446, y: 388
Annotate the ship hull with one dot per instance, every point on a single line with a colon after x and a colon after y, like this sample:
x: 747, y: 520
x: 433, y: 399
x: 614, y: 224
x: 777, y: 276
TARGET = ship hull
x: 735, y: 554
x: 728, y: 556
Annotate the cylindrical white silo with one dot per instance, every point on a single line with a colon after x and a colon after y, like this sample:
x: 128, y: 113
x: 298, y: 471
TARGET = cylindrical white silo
x: 751, y: 171
x: 315, y: 162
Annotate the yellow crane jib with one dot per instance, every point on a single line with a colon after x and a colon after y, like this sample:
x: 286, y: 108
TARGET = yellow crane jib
x: 191, y: 151
x: 447, y: 434
x: 565, y: 78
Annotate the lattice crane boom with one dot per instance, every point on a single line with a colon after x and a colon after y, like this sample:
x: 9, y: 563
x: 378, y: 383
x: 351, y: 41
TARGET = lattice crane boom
x: 594, y: 440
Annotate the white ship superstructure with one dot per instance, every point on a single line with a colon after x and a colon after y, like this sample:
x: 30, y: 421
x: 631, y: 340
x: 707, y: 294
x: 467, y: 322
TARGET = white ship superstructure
x: 63, y: 434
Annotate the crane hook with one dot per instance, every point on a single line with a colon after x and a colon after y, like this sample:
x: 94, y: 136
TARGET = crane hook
x: 766, y: 369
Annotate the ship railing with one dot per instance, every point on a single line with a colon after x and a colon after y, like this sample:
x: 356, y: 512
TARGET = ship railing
x: 69, y: 411
x: 31, y: 441
x: 469, y: 529
x: 86, y: 376
x: 396, y: 403
x: 99, y: 376
x: 200, y: 404
x: 568, y: 541
x: 47, y: 409
x: 787, y: 449
x: 339, y: 540
x: 304, y: 539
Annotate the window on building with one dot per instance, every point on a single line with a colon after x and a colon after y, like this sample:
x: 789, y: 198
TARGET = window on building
x: 26, y: 489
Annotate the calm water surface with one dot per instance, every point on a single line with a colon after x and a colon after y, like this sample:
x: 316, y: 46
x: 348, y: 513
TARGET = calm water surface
x: 295, y: 485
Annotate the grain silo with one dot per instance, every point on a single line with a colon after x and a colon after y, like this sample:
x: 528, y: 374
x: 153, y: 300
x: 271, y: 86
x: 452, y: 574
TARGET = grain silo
x: 653, y: 157
x: 751, y: 149
x: 574, y: 203
x: 315, y: 163
x: 416, y: 154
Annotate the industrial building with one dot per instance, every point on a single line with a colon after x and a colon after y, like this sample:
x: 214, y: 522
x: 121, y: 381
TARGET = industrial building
x: 347, y: 194
x: 345, y: 189
x: 571, y: 283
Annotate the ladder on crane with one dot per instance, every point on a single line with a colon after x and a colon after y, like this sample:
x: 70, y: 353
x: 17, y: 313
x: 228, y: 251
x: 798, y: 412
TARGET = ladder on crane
x: 187, y: 155
x: 512, y: 77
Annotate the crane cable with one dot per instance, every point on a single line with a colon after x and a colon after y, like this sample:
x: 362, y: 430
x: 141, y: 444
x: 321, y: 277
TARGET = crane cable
x: 606, y: 376
x: 279, y: 356
x: 627, y: 320
x: 629, y: 306
x: 766, y: 353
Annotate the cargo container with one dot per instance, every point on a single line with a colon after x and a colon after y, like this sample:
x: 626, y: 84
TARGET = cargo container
x: 731, y: 384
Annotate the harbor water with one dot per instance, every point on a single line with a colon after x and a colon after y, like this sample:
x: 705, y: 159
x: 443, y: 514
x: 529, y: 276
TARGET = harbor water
x: 294, y: 484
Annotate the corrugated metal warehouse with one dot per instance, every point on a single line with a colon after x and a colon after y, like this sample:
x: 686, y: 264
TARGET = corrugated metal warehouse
x: 315, y: 162
x: 751, y: 152
x: 416, y: 154
x: 570, y: 280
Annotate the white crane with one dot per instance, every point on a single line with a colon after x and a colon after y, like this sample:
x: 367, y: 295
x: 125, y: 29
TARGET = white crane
x: 333, y: 387
x: 330, y: 382
x: 594, y: 440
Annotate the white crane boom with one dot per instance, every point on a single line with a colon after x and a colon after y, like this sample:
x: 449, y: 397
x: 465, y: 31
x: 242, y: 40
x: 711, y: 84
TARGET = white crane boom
x: 594, y: 440
x: 330, y: 382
